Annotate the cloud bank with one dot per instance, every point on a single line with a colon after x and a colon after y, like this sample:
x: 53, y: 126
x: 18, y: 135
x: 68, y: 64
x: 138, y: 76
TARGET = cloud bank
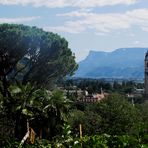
x: 18, y: 20
x: 68, y: 3
x: 82, y: 21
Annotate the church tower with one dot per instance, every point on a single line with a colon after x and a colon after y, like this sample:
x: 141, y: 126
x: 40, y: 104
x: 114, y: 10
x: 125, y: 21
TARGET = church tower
x: 146, y: 75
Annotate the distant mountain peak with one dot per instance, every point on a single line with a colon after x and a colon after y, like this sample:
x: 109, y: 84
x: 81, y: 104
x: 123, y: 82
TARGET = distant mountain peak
x: 120, y: 63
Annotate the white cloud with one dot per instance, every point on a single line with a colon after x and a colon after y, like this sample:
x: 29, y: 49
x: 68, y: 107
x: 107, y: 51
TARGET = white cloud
x: 66, y: 29
x: 145, y: 28
x: 68, y: 3
x: 18, y: 20
x: 136, y: 42
x: 82, y: 21
x: 131, y: 34
x: 100, y: 3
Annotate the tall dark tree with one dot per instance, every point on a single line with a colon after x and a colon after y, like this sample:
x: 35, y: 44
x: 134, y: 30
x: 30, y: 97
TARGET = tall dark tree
x: 31, y: 54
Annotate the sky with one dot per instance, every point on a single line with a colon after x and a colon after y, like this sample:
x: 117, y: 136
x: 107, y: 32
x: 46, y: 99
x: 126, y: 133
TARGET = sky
x: 99, y: 25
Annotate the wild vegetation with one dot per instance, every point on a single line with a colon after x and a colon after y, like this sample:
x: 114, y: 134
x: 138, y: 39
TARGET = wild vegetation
x: 31, y: 62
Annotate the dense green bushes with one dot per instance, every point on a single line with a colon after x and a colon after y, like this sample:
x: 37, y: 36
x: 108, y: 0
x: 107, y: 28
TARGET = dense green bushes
x: 95, y: 141
x: 111, y: 123
x: 113, y: 115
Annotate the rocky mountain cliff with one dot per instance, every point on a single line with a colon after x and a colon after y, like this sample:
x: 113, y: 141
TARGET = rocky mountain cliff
x: 121, y: 63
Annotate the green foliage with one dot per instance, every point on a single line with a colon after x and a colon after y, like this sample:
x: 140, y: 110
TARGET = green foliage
x: 27, y: 100
x: 118, y: 116
x: 10, y: 143
x: 144, y: 111
x: 31, y: 54
x: 45, y: 110
x: 95, y: 141
x: 113, y: 115
x: 68, y: 140
x: 90, y: 121
x: 13, y: 143
x: 75, y: 119
x: 113, y: 122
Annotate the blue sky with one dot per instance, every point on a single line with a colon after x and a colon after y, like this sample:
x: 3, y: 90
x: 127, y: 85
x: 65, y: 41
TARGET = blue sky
x: 101, y: 25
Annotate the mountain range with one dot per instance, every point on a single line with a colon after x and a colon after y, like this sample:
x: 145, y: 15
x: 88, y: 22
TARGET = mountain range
x: 122, y: 63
